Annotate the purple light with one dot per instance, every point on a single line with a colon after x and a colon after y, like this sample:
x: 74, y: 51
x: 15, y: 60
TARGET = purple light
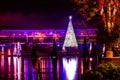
x: 26, y: 69
x: 58, y: 45
x: 33, y: 74
x: 2, y: 63
x: 70, y: 17
x: 25, y: 33
x: 50, y: 33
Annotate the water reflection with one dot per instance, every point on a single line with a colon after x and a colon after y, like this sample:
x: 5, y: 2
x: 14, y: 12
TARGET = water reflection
x: 34, y: 74
x: 42, y: 68
x: 70, y: 66
x: 2, y: 66
x: 26, y: 69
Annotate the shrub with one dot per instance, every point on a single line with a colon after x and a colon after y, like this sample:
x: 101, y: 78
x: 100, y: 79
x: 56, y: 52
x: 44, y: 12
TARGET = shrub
x: 106, y: 71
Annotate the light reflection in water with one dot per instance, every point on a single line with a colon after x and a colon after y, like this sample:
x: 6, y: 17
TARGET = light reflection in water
x: 44, y: 69
x: 9, y: 62
x: 2, y: 63
x: 2, y: 59
x: 70, y: 66
x: 25, y: 69
x: 44, y: 66
x: 19, y: 67
x: 33, y: 73
x: 15, y: 67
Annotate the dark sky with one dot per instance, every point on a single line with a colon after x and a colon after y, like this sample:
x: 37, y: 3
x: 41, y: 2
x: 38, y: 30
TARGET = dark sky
x: 34, y: 14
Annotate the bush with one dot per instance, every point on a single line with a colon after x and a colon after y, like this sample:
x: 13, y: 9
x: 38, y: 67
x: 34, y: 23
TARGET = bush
x: 102, y: 72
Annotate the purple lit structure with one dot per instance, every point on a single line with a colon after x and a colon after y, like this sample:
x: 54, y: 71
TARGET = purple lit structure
x: 48, y: 35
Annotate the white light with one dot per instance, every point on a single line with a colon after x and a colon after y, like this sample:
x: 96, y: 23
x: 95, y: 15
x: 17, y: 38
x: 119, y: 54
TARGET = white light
x: 70, y: 38
x: 70, y: 17
x: 70, y: 67
x: 90, y: 59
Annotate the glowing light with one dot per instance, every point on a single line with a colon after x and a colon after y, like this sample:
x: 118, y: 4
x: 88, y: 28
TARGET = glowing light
x: 19, y: 68
x: 70, y: 39
x: 70, y: 67
x: 14, y: 34
x: 90, y: 59
x: 3, y: 49
x: 51, y: 33
x: 19, y: 34
x: 56, y: 36
x: 70, y: 17
x: 9, y: 62
x: 15, y: 50
x: 2, y: 63
x: 15, y: 66
x: 9, y: 59
x: 103, y: 49
x: 90, y: 48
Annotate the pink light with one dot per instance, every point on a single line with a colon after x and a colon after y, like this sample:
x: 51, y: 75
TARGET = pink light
x: 70, y: 67
x: 9, y: 59
x: 91, y: 59
x: 51, y: 33
x: 14, y: 34
x: 9, y: 62
x: 2, y: 63
x: 19, y: 68
x: 15, y: 66
x: 81, y: 33
x: 103, y: 49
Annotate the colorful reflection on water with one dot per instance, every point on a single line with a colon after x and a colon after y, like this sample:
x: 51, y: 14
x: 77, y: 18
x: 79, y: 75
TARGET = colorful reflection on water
x: 42, y: 68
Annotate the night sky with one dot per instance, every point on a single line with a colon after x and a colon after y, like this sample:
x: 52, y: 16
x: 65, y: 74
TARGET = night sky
x: 35, y: 14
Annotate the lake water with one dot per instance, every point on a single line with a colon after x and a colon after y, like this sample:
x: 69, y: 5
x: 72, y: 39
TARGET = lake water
x: 41, y: 68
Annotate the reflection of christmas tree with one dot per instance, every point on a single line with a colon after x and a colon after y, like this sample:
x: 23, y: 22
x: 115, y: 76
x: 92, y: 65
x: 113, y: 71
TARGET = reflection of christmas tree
x: 70, y: 39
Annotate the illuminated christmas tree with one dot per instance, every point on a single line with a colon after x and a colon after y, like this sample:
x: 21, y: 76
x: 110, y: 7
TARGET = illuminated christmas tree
x: 70, y: 39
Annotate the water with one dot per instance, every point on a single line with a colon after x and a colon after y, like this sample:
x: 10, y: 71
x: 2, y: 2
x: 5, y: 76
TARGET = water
x: 41, y: 68
x: 15, y: 65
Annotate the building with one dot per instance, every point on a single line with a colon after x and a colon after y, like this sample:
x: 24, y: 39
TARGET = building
x: 44, y: 36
